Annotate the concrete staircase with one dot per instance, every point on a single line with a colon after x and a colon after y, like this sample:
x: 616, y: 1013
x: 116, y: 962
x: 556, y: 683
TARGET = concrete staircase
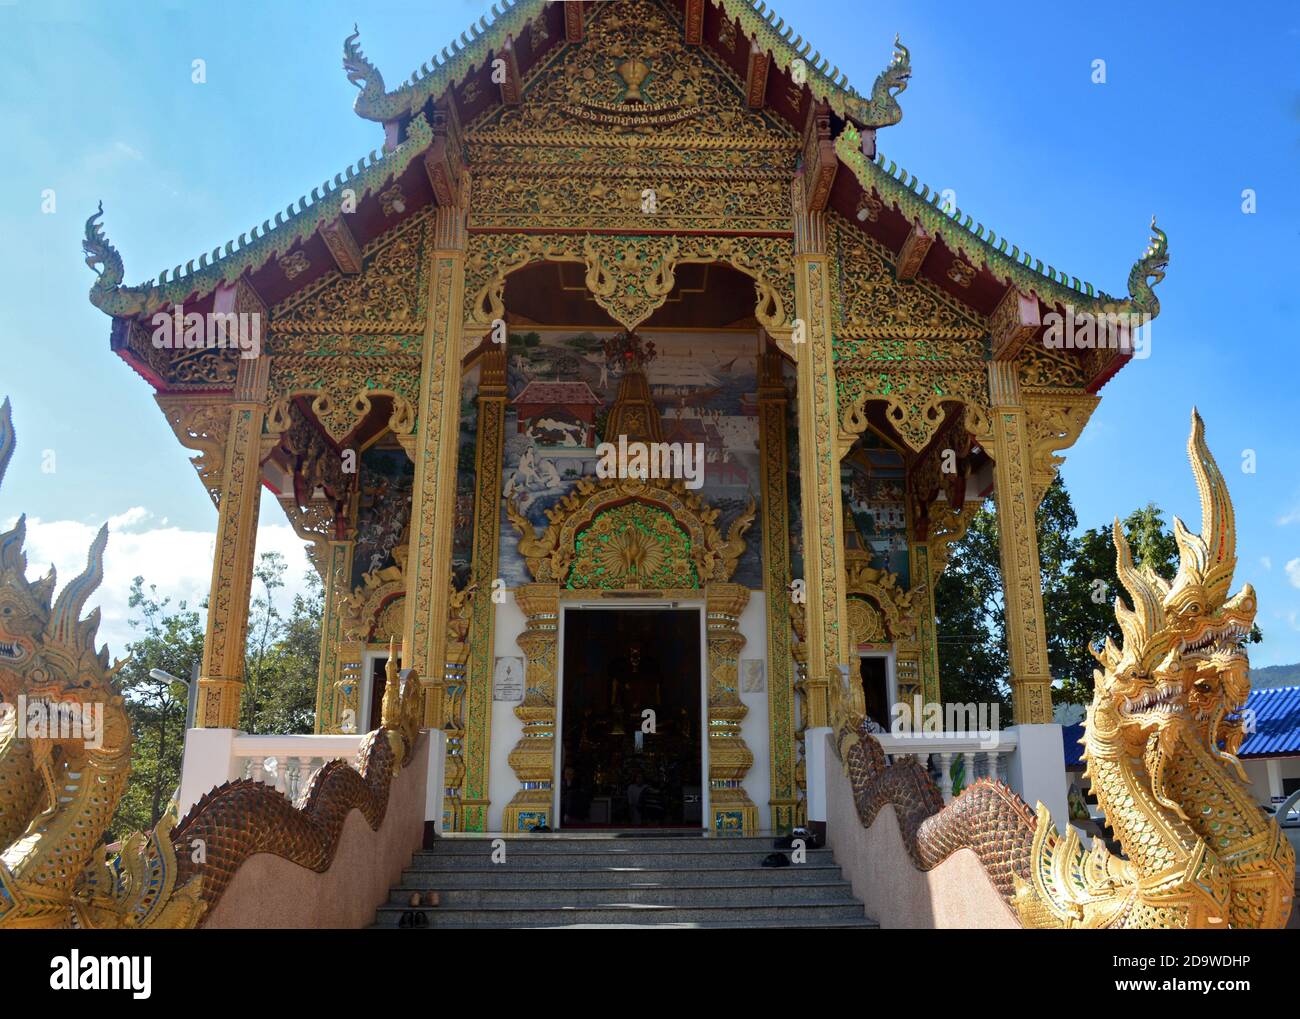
x: 611, y: 880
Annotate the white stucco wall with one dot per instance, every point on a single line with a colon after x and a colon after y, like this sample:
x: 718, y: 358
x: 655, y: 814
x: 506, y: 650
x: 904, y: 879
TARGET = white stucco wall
x: 506, y: 728
x: 754, y: 728
x: 1266, y: 776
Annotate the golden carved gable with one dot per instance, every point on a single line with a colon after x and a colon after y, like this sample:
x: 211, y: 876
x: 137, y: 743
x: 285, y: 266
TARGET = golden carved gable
x: 877, y: 317
x: 631, y: 130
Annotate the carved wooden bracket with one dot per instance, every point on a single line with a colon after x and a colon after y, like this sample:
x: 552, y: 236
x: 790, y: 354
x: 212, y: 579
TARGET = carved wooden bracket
x: 819, y: 159
x: 338, y: 237
x: 913, y: 252
x: 1012, y: 323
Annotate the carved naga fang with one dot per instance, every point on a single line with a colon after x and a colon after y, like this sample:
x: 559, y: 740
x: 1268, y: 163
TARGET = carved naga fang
x: 54, y: 871
x: 1160, y: 736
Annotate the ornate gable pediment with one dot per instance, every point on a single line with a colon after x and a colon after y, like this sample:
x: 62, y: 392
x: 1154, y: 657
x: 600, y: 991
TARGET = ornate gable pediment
x: 631, y: 110
x: 631, y: 534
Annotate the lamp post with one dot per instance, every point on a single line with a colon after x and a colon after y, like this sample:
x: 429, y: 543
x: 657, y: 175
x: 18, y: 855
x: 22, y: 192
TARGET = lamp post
x: 191, y: 700
x: 191, y: 689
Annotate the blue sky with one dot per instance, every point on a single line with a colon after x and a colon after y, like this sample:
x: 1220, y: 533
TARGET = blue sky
x: 97, y: 103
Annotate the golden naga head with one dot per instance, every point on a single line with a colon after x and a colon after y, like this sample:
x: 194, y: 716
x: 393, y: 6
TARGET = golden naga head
x: 1182, y: 662
x: 1208, y: 624
x: 1139, y: 693
x: 47, y: 652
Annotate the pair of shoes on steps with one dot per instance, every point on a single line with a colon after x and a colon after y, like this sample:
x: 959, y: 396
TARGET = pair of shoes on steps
x: 809, y: 840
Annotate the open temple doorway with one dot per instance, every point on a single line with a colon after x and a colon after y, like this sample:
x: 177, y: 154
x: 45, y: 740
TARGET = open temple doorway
x: 621, y: 768
x: 875, y: 690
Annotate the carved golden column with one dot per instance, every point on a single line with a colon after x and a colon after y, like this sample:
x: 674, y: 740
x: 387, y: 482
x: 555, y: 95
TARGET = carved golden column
x: 221, y: 680
x: 330, y: 696
x: 533, y: 757
x: 819, y: 463
x: 453, y: 714
x: 799, y: 649
x: 1031, y: 681
x: 776, y: 562
x: 922, y: 580
x: 476, y: 700
x: 433, y: 506
x: 730, y: 808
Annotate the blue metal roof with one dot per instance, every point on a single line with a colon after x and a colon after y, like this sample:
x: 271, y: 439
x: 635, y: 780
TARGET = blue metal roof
x: 1072, y: 736
x: 1277, y: 722
x: 1276, y: 726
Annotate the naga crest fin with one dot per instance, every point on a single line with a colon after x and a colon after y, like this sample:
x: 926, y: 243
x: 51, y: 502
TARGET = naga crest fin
x: 66, y: 626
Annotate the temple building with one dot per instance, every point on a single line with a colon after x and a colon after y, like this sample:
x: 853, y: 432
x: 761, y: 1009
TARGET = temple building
x: 661, y: 234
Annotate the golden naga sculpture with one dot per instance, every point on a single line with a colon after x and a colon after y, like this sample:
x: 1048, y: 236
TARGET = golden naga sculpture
x: 65, y: 758
x: 1164, y: 722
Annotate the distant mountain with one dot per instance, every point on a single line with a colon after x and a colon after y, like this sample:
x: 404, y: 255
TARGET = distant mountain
x: 1275, y: 675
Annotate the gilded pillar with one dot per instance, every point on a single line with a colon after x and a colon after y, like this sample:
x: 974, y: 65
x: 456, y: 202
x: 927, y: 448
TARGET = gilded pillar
x: 776, y: 561
x: 433, y: 506
x: 923, y: 580
x: 819, y: 464
x: 533, y: 758
x: 730, y: 808
x: 477, y: 697
x: 456, y: 681
x: 1031, y: 681
x: 799, y: 651
x: 221, y: 679
x: 332, y: 697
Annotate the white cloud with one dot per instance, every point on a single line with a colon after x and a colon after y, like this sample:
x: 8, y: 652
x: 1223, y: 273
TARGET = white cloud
x: 177, y: 562
x: 1266, y: 562
x: 1293, y: 572
x: 1289, y: 518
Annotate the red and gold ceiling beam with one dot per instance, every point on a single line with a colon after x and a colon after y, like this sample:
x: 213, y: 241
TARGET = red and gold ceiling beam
x: 510, y: 83
x: 694, y: 23
x: 756, y: 77
x: 573, y: 21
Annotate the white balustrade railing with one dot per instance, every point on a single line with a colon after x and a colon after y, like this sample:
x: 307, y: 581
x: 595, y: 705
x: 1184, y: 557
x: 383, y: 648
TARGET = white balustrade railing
x: 983, y: 754
x: 288, y: 763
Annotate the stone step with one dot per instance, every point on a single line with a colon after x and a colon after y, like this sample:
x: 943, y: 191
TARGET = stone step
x: 578, y: 895
x: 616, y: 877
x: 743, y: 860
x: 808, y: 914
x: 472, y: 845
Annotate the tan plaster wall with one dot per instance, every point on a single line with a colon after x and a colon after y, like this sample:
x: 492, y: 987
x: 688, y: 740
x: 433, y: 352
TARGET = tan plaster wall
x: 957, y: 893
x: 270, y: 892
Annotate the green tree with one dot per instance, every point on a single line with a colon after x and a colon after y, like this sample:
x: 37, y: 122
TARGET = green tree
x: 1079, y: 583
x: 170, y: 640
x: 282, y: 655
x: 968, y: 600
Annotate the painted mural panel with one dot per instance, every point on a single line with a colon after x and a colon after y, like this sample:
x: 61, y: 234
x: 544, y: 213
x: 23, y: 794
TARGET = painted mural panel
x: 561, y: 388
x: 462, y: 541
x: 873, y: 477
x: 387, y: 481
x: 793, y: 495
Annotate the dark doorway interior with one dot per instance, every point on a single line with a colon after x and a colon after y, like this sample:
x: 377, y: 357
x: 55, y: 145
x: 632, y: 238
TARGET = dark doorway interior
x: 617, y: 664
x: 378, y: 681
x: 875, y: 688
